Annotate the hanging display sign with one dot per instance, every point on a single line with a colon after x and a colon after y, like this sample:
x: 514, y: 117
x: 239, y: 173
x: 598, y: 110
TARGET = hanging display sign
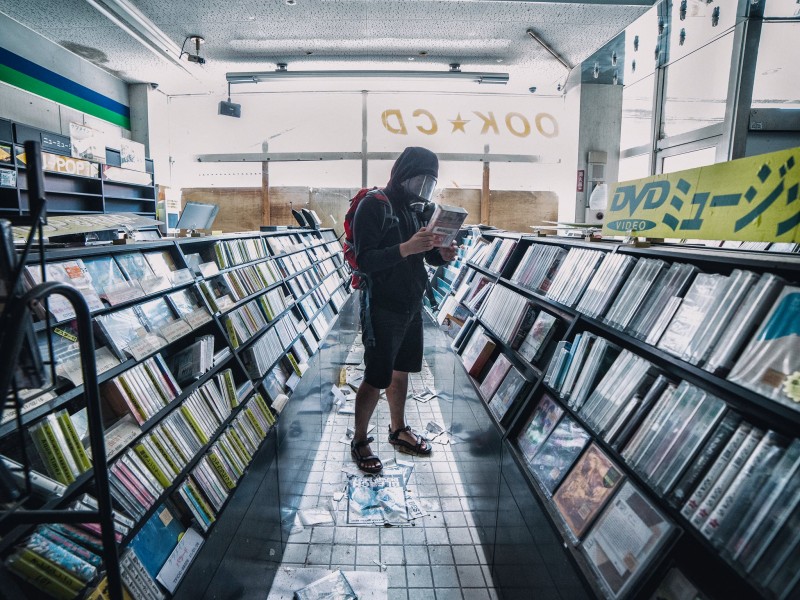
x: 749, y: 199
x: 132, y: 155
x: 87, y: 143
x: 121, y: 175
x: 62, y: 164
x: 55, y: 143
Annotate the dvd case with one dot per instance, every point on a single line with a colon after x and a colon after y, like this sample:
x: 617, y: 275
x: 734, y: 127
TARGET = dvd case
x: 558, y: 453
x: 770, y: 363
x: 627, y: 538
x: 507, y: 393
x: 541, y: 422
x: 586, y: 489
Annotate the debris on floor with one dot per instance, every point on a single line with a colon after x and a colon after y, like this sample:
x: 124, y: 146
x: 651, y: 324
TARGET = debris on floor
x: 381, y: 499
x: 315, y: 516
x: 348, y: 435
x: 425, y: 396
x: 366, y: 585
x: 334, y: 586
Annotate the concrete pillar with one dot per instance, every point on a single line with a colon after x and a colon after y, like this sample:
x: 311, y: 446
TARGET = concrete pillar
x: 599, y: 131
x: 150, y: 126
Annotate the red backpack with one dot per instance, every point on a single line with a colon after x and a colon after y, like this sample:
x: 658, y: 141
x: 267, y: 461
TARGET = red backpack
x: 356, y: 279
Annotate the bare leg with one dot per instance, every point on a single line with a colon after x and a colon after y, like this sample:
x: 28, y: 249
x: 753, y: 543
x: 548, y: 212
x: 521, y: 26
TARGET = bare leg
x: 366, y: 401
x: 396, y: 395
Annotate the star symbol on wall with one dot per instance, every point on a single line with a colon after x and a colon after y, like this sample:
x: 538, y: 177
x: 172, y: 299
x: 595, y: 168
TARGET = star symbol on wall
x: 458, y: 124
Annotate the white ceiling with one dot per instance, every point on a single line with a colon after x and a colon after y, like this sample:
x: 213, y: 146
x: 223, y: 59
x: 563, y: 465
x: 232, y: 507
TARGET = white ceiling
x: 252, y: 35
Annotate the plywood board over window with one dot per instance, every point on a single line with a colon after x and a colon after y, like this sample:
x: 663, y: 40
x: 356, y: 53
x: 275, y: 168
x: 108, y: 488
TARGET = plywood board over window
x: 517, y: 210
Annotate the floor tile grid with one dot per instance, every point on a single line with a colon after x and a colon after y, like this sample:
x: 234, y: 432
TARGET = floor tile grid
x: 442, y: 556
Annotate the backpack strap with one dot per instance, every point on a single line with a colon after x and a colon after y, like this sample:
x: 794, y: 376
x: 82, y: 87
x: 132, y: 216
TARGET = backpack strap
x: 389, y: 219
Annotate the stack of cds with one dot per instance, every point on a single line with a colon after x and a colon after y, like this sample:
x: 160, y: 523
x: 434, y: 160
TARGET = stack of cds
x: 259, y: 357
x: 573, y: 276
x: 496, y: 256
x: 739, y: 328
x: 681, y: 326
x: 671, y: 433
x: 641, y: 279
x: 661, y: 302
x: 538, y: 267
x: 503, y: 311
x: 623, y: 380
x: 605, y: 283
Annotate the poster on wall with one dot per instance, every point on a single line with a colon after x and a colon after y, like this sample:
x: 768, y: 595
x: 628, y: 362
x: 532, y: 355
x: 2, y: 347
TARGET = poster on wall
x: 87, y: 143
x: 131, y: 155
x: 8, y: 178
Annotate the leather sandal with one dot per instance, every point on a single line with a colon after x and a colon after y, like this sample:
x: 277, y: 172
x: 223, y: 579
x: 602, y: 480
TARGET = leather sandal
x: 370, y: 463
x: 421, y: 448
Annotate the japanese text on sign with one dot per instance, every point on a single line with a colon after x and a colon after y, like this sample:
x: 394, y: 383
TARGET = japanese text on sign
x: 749, y: 199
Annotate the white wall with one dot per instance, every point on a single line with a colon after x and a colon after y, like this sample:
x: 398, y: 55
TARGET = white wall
x: 332, y: 122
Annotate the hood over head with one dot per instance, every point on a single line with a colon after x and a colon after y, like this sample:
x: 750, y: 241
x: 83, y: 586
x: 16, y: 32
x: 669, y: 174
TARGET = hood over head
x: 413, y: 161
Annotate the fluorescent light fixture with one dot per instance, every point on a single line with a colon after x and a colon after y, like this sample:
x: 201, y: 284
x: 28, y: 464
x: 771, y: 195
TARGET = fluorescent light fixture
x: 133, y: 22
x: 283, y: 74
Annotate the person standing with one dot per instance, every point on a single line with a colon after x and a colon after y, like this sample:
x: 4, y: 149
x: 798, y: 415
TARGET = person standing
x: 391, y: 247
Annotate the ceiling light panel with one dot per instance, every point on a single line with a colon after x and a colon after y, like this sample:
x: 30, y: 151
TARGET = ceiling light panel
x: 362, y: 47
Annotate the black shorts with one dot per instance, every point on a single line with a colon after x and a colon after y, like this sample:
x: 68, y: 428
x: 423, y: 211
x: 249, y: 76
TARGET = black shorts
x: 398, y: 346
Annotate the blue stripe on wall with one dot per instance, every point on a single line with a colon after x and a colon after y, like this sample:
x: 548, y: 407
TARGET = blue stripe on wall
x: 31, y: 69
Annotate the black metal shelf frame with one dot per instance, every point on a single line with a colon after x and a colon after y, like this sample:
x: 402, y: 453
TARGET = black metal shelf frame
x: 50, y: 510
x: 754, y: 407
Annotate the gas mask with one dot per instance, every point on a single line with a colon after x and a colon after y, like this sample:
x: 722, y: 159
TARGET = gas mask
x: 420, y: 188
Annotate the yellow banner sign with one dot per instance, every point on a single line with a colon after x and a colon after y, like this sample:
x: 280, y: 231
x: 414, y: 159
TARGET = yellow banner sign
x: 749, y: 199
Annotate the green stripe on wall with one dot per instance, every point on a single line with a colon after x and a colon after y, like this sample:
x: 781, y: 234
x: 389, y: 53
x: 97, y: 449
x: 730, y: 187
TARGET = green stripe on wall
x: 45, y: 90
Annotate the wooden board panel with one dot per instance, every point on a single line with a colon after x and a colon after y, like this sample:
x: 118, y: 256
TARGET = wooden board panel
x: 240, y: 208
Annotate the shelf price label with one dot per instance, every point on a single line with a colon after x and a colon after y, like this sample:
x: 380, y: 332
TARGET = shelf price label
x: 123, y: 292
x: 197, y: 318
x: 181, y: 276
x: 175, y: 330
x: 145, y: 346
x: 749, y: 199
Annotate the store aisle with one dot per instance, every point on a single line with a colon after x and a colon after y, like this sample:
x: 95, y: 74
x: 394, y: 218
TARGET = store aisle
x: 442, y: 552
x: 445, y: 555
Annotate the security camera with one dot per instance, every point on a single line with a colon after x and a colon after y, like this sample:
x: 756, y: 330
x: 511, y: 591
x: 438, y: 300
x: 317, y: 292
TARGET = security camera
x: 153, y: 85
x: 196, y: 59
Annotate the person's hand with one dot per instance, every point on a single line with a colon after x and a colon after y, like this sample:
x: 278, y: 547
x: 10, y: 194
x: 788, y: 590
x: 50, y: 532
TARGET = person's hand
x: 449, y: 253
x: 422, y: 241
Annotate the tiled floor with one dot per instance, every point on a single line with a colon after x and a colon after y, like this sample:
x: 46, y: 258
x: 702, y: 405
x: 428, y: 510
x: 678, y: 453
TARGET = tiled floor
x: 439, y: 554
x: 480, y: 506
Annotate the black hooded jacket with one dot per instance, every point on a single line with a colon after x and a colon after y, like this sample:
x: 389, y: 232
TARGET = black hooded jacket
x: 398, y: 283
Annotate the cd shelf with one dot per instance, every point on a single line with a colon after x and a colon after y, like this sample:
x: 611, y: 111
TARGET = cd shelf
x: 537, y: 410
x: 71, y: 193
x: 179, y: 340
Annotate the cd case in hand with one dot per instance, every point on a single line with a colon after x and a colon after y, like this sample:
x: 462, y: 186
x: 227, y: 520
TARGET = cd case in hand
x: 331, y: 587
x: 445, y: 224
